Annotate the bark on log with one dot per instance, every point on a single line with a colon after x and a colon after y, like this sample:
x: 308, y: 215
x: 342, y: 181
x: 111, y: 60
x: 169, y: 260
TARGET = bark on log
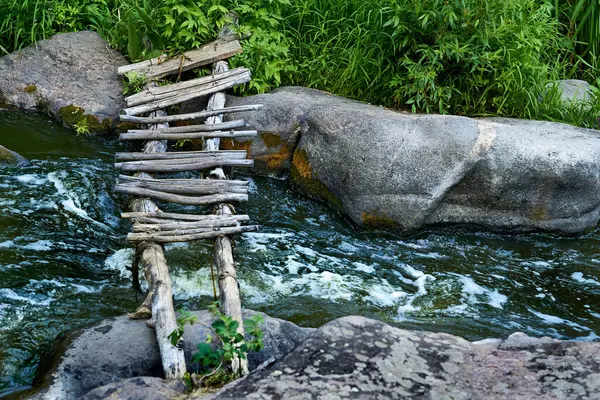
x: 159, y: 282
x: 189, y: 116
x: 193, y: 135
x: 220, y: 223
x: 207, y: 54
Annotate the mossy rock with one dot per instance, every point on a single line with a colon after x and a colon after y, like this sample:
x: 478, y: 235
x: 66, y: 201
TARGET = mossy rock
x: 73, y: 117
x: 9, y: 157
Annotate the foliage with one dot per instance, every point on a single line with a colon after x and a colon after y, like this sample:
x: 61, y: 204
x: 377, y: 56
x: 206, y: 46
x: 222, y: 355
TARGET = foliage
x: 82, y: 127
x: 221, y: 347
x: 465, y: 57
x: 133, y: 83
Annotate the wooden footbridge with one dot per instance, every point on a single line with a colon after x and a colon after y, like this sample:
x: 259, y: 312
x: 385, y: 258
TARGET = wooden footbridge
x: 151, y: 179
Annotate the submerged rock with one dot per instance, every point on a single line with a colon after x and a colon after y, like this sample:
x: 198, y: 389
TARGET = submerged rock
x: 12, y: 158
x: 72, y: 76
x: 406, y: 172
x: 120, y: 348
x: 355, y: 357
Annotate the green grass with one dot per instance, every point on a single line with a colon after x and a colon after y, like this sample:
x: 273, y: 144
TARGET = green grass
x: 464, y: 57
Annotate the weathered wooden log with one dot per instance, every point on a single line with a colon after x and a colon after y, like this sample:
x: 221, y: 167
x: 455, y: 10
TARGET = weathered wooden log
x: 159, y: 284
x: 194, y: 182
x: 174, y: 225
x: 189, y: 116
x: 158, y: 221
x: 225, y: 126
x: 161, y: 92
x: 192, y: 135
x: 207, y: 54
x: 185, y: 189
x: 176, y: 166
x: 230, y: 302
x: 210, y: 157
x: 188, y: 94
x: 144, y: 237
x: 179, y: 199
x: 160, y: 215
x: 179, y: 154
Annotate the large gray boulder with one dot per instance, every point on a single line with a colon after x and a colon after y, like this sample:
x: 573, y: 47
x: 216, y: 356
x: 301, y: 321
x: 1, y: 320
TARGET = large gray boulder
x: 572, y: 90
x: 9, y: 157
x: 355, y: 357
x: 121, y: 348
x: 406, y: 172
x: 72, y: 76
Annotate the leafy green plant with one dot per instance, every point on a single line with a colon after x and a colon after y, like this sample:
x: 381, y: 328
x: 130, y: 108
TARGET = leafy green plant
x: 82, y: 127
x: 224, y: 345
x: 134, y: 82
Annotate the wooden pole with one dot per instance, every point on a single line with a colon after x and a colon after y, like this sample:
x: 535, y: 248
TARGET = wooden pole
x: 159, y: 302
x: 229, y: 294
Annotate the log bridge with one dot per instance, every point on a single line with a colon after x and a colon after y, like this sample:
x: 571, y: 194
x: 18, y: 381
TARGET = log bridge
x: 141, y: 178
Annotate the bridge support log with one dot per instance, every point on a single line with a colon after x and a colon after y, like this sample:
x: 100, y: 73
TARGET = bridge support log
x: 229, y: 294
x: 159, y: 303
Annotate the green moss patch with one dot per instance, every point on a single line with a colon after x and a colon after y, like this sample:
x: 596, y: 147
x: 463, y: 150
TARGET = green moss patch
x: 30, y: 89
x: 378, y: 220
x: 74, y: 116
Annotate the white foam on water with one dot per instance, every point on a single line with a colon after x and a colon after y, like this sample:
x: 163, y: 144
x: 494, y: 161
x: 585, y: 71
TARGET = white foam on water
x: 32, y: 179
x: 347, y: 247
x: 369, y: 269
x: 40, y: 245
x: 384, y: 295
x: 12, y: 295
x: 408, y: 307
x: 193, y: 284
x: 578, y: 276
x: 120, y: 261
x: 258, y: 241
x: 472, y: 292
x: 554, y: 320
x: 415, y: 273
x: 294, y: 266
x: 7, y: 244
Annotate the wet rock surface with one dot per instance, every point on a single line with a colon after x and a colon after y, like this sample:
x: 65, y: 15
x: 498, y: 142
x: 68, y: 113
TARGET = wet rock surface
x: 120, y: 348
x: 406, y: 172
x: 355, y: 357
x: 72, y: 76
x: 141, y: 388
x: 9, y: 157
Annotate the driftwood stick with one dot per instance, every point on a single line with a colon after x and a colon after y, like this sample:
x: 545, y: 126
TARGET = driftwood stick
x: 208, y: 158
x: 207, y: 54
x: 176, y: 216
x: 186, y: 95
x: 189, y: 116
x: 147, y: 166
x: 192, y: 135
x: 179, y: 199
x: 179, y: 154
x: 195, y: 182
x: 229, y: 125
x: 173, y: 225
x: 140, y: 237
x: 190, y: 190
x: 151, y: 94
x: 158, y: 221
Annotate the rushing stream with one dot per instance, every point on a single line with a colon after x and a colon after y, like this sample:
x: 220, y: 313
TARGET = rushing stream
x: 64, y: 263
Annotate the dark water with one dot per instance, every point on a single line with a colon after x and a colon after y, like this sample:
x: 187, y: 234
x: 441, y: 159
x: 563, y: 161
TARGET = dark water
x: 63, y: 263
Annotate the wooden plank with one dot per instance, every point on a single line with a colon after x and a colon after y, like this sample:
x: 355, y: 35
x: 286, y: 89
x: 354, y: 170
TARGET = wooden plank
x: 191, y: 135
x: 195, y: 182
x: 178, y: 216
x: 179, y: 199
x: 224, y: 126
x: 179, y: 154
x: 207, y: 54
x: 188, y: 94
x: 154, y: 93
x: 189, y: 116
x: 162, y: 166
x: 167, y: 225
x: 141, y: 237
x: 187, y: 189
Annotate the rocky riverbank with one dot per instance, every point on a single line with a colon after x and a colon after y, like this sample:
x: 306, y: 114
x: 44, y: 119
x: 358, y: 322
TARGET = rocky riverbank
x: 351, y: 357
